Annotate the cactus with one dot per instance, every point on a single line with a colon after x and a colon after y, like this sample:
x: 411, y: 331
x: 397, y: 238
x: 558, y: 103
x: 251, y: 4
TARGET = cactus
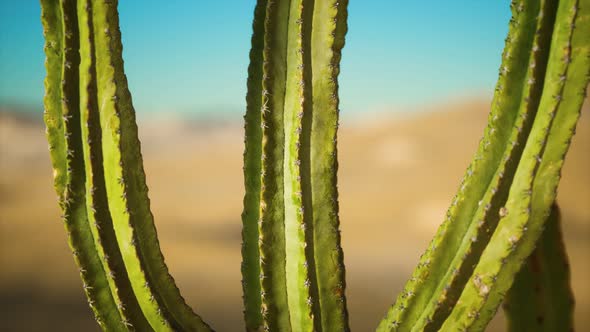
x: 290, y: 209
x: 98, y: 172
x: 540, y: 298
x: 293, y: 270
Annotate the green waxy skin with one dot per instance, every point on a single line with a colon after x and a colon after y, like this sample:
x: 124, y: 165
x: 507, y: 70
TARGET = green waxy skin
x: 541, y: 298
x: 537, y: 176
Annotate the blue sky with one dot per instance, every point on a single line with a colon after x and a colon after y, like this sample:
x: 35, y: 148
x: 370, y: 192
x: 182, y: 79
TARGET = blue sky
x: 192, y: 56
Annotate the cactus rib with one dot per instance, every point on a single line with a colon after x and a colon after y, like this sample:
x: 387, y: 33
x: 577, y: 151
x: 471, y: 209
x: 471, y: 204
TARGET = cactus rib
x: 252, y: 167
x: 538, y: 173
x: 99, y: 217
x: 62, y: 118
x: 541, y: 298
x: 275, y: 312
x: 301, y: 290
x: 329, y: 22
x: 155, y: 289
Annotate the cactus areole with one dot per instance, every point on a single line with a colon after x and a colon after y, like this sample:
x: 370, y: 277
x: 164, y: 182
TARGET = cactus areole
x: 293, y: 268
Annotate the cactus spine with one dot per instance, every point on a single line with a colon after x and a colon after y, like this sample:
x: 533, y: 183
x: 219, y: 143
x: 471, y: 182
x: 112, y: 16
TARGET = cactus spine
x: 293, y: 270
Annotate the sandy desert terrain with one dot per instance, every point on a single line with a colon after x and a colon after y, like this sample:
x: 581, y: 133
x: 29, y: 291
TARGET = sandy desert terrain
x: 397, y: 176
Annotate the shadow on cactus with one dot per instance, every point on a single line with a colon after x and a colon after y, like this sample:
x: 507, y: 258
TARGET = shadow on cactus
x: 293, y: 270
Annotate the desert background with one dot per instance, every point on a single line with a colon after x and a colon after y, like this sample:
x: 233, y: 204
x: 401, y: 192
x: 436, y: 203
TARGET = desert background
x: 398, y: 173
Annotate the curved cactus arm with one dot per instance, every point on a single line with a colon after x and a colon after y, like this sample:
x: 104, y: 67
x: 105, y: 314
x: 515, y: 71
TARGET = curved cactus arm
x: 156, y: 292
x: 486, y: 218
x: 448, y: 262
x: 329, y: 30
x: 541, y: 298
x: 538, y: 173
x: 99, y: 218
x: 252, y: 167
x: 98, y: 172
x: 62, y: 118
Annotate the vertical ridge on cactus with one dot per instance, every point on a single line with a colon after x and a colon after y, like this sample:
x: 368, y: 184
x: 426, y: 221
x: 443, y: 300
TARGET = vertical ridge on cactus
x: 329, y: 29
x: 271, y: 227
x: 252, y: 167
x: 303, y: 301
x: 293, y: 269
x: 541, y: 298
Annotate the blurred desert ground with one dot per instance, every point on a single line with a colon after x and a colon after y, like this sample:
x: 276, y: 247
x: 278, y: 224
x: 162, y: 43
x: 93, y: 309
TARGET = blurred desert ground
x: 398, y: 173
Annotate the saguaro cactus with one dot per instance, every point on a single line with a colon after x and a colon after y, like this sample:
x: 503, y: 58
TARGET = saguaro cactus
x: 293, y: 271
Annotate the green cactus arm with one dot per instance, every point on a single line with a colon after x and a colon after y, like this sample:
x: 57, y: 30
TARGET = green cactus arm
x: 271, y: 229
x: 541, y: 298
x: 484, y: 221
x: 538, y: 174
x: 62, y: 118
x: 298, y: 87
x: 252, y: 167
x: 329, y: 29
x: 99, y: 218
x: 435, y: 281
x: 51, y: 18
x: 301, y: 292
x: 126, y: 189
